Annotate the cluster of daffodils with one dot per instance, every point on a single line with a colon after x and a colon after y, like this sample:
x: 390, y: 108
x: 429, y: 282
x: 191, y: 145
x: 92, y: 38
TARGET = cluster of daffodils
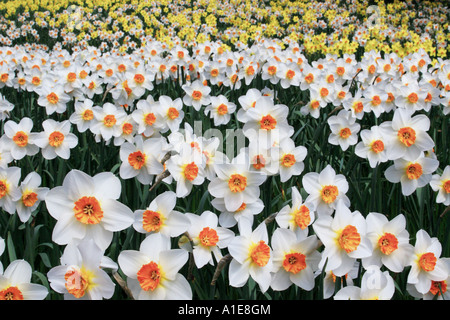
x: 122, y: 101
x: 322, y: 27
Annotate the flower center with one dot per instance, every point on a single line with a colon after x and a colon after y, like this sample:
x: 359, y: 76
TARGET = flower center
x: 414, y: 171
x: 77, y: 282
x: 358, y: 106
x: 149, y: 276
x: 208, y: 237
x: 288, y: 160
x: 376, y: 100
x: 36, y: 81
x: 150, y: 118
x: 191, y: 171
x: 250, y: 71
x: 302, y: 217
x: 237, y: 183
x: 427, y: 261
x: 345, y: 133
x: 329, y: 193
x: 388, y: 243
x: 21, y: 139
x: 53, y: 98
x: 260, y: 253
x: 172, y: 113
x: 87, y: 115
x: 407, y: 136
x: 55, y: 139
x: 294, y: 262
x: 29, y: 198
x: 88, y: 210
x: 437, y: 287
x: 139, y: 78
x: 290, y: 74
x: 222, y: 109
x: 377, y: 146
x: 137, y: 159
x: 413, y: 97
x: 272, y: 70
x: 324, y: 92
x: 268, y: 122
x: 71, y: 77
x: 349, y: 239
x: 309, y: 78
x: 197, y: 95
x: 340, y: 71
x: 3, y: 188
x: 446, y: 186
x: 259, y: 162
x: 109, y: 120
x: 152, y: 221
x: 11, y: 293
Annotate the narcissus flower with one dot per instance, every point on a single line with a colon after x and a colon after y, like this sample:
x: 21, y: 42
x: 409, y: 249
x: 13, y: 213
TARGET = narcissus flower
x: 345, y: 239
x: 426, y: 264
x: 9, y: 181
x: 56, y: 140
x: 236, y: 184
x: 390, y: 241
x: 108, y: 121
x: 290, y: 159
x: 295, y: 259
x: 160, y: 217
x: 373, y: 146
x: 187, y: 169
x: 20, y: 139
x: 140, y: 159
x: 81, y: 274
x: 252, y: 257
x: 207, y: 237
x: 344, y: 129
x: 297, y: 216
x: 326, y: 189
x: 441, y: 185
x: 15, y: 283
x: 243, y: 215
x: 412, y: 174
x: 220, y: 110
x: 30, y: 196
x: 87, y: 207
x: 439, y: 289
x: 152, y: 272
x: 197, y: 94
x: 408, y: 137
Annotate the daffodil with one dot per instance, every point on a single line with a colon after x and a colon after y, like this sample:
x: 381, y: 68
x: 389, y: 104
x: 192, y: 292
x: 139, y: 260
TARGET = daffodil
x: 160, y: 217
x: 81, y: 274
x: 426, y: 264
x: 441, y: 185
x: 86, y: 207
x: 326, y: 190
x: 56, y: 140
x: 390, y: 241
x: 19, y: 138
x: 207, y: 238
x: 153, y: 271
x: 252, y: 257
x: 413, y: 174
x: 345, y: 239
x: 31, y: 195
x: 15, y: 283
x: 295, y: 259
